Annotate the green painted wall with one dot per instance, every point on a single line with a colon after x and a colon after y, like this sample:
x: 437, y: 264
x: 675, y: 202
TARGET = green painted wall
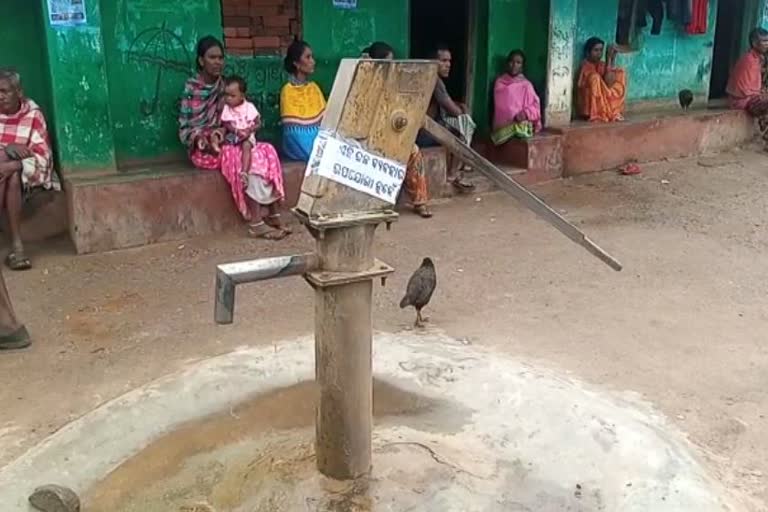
x: 560, y: 69
x: 21, y: 49
x: 80, y: 101
x: 537, y: 42
x: 339, y: 33
x: 663, y: 64
x: 150, y: 51
x: 481, y: 102
x: 761, y: 6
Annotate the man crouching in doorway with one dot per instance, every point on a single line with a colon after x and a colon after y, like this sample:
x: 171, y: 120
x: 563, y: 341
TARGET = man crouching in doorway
x: 25, y: 159
x: 450, y: 114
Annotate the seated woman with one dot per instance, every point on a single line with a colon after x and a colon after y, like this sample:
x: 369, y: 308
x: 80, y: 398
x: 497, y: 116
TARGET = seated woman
x: 415, y: 177
x: 201, y: 130
x: 25, y: 159
x: 302, y: 103
x: 602, y: 87
x: 517, y: 108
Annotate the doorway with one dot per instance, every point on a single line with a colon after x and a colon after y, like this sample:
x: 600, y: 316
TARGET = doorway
x: 444, y: 22
x: 729, y: 38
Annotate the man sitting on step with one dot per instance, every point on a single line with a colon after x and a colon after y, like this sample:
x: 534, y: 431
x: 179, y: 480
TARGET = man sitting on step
x: 25, y: 158
x: 451, y: 114
x: 745, y: 86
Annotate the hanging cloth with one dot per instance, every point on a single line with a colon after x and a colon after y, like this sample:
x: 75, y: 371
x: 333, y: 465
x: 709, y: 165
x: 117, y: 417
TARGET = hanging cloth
x: 656, y: 9
x: 699, y: 17
x: 679, y: 11
x: 645, y: 7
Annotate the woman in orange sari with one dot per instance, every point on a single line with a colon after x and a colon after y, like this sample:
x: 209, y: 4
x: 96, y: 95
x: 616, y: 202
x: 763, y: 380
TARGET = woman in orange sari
x: 415, y: 177
x: 602, y: 87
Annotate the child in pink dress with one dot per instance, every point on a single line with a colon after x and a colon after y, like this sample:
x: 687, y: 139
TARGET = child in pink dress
x: 240, y: 119
x: 251, y: 168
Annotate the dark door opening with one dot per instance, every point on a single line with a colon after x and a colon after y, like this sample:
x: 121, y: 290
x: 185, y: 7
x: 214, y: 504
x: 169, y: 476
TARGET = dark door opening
x: 443, y: 22
x: 728, y: 41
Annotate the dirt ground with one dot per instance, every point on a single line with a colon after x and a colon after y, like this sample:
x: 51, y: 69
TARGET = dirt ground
x: 685, y: 325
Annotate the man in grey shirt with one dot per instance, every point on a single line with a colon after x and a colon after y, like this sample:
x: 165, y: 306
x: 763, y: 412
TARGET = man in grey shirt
x: 451, y: 114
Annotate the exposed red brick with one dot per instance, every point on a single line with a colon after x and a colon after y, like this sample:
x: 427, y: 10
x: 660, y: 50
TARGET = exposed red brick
x: 265, y: 10
x: 241, y: 51
x: 277, y: 21
x: 266, y: 42
x: 238, y: 42
x: 237, y: 21
x: 274, y: 31
x: 270, y: 25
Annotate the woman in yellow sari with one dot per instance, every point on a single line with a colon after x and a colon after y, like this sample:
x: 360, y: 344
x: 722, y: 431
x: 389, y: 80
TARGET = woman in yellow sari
x: 602, y: 87
x: 302, y: 103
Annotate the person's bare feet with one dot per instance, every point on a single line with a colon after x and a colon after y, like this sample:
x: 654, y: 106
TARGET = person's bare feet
x: 422, y: 211
x: 265, y: 231
x: 275, y: 221
x: 460, y: 184
x: 216, y: 140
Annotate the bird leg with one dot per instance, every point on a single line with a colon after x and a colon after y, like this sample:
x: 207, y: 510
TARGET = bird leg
x: 420, y: 320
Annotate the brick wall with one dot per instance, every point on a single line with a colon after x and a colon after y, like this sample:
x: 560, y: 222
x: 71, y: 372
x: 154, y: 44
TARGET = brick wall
x: 258, y: 27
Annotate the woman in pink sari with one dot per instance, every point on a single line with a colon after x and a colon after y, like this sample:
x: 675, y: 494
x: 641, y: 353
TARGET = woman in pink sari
x: 517, y: 108
x: 256, y: 191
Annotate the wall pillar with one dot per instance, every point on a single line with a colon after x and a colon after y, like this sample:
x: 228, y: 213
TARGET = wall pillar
x: 560, y: 70
x: 761, y: 14
x: 80, y: 97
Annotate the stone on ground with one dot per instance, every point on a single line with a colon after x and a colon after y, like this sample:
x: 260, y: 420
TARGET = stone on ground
x: 55, y: 498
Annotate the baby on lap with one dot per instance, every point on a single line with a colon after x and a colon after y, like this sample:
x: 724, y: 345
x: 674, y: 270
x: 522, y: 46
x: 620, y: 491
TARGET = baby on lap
x: 241, y: 120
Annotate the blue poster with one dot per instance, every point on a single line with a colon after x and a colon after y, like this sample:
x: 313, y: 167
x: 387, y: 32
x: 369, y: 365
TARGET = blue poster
x: 345, y: 4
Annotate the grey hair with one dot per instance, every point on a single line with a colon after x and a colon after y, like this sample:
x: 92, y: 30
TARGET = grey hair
x: 12, y: 76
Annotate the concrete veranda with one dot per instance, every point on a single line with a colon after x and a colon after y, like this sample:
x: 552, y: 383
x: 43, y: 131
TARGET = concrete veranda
x: 684, y: 325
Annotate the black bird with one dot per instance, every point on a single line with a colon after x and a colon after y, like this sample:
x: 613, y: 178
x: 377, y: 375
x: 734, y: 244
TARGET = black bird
x: 421, y: 286
x: 686, y: 98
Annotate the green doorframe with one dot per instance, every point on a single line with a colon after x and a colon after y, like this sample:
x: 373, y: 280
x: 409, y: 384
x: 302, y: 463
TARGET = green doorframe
x: 754, y: 16
x: 471, y: 50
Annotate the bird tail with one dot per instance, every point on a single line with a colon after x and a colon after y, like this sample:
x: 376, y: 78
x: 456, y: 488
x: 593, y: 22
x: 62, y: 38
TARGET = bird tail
x: 404, y: 303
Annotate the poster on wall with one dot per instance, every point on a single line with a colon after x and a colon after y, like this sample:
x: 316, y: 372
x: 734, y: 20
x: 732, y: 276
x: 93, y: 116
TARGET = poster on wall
x: 67, y: 12
x: 345, y: 4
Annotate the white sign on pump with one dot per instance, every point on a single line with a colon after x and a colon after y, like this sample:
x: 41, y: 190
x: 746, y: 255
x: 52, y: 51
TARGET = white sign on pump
x: 349, y: 164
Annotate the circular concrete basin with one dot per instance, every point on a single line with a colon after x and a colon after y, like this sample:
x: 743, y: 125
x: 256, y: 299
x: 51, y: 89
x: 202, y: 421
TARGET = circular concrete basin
x: 456, y: 428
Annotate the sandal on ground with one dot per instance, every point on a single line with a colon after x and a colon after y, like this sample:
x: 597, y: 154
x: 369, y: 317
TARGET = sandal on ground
x: 462, y: 186
x: 16, y: 260
x: 274, y: 221
x: 262, y: 230
x: 16, y: 340
x: 422, y: 211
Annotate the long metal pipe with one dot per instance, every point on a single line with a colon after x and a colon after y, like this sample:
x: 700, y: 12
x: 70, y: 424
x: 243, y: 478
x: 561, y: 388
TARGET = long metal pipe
x: 230, y: 275
x: 513, y: 188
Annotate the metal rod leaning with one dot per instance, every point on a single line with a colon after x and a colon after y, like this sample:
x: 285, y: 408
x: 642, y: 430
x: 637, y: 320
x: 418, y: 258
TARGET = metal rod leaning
x: 510, y: 186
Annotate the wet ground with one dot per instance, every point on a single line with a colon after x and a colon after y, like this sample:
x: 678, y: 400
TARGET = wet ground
x: 684, y: 325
